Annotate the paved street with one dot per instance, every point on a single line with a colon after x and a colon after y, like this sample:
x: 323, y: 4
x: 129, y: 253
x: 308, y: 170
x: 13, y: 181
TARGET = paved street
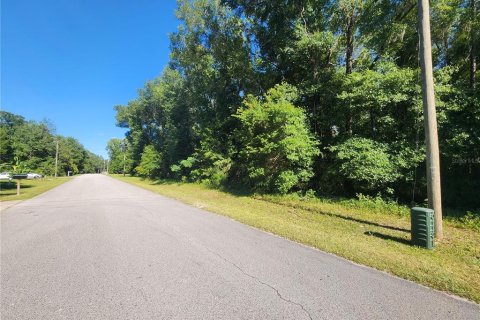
x: 98, y: 248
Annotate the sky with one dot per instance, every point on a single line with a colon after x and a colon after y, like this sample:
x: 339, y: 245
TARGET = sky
x: 72, y: 61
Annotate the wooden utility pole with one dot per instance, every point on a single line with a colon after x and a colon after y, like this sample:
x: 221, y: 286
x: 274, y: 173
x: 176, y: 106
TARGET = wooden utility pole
x: 124, y: 147
x: 56, y: 161
x: 124, y: 158
x: 429, y: 113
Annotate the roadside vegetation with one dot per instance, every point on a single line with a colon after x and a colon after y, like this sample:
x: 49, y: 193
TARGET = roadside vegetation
x: 29, y: 188
x: 284, y: 97
x: 366, y: 231
x: 317, y: 106
x: 30, y: 146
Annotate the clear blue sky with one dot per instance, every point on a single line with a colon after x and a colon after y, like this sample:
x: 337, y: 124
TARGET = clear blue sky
x: 71, y: 61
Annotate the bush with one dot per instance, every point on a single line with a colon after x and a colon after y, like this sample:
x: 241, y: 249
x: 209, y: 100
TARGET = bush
x: 183, y: 168
x: 470, y: 220
x: 150, y: 163
x: 378, y: 204
x: 215, y: 172
x: 213, y: 161
x: 277, y: 148
x: 367, y: 164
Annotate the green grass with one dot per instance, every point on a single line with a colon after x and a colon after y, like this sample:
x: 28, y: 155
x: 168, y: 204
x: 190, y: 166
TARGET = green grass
x: 355, y: 232
x: 29, y: 188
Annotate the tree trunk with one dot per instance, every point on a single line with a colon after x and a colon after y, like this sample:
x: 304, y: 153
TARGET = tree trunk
x: 349, y: 64
x: 350, y: 36
x: 445, y: 46
x: 473, y: 45
x: 372, y: 123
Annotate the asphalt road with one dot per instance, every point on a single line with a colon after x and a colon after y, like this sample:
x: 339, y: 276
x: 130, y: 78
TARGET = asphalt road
x: 98, y: 248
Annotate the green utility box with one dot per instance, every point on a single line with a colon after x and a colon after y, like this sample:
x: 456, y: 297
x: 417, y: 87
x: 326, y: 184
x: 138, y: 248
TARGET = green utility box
x: 423, y: 227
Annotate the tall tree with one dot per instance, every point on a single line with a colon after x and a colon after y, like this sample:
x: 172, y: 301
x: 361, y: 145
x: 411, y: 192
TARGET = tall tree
x: 355, y: 67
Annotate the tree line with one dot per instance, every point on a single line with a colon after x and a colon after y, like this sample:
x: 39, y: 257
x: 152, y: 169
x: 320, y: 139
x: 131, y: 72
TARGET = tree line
x: 287, y: 96
x: 31, y: 146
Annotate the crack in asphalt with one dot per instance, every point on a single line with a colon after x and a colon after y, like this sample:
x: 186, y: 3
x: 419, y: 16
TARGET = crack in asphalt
x: 190, y: 240
x: 263, y: 283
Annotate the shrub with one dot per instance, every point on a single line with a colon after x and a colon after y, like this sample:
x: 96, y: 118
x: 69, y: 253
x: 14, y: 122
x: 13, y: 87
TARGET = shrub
x: 183, y: 168
x: 150, y: 163
x: 277, y: 149
x: 367, y: 164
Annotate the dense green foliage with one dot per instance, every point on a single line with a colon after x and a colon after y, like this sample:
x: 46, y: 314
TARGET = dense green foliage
x: 355, y: 122
x: 366, y: 163
x: 276, y: 147
x: 150, y: 163
x: 31, y: 146
x: 119, y: 156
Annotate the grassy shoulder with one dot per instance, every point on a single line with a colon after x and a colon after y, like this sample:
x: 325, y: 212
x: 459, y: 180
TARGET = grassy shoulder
x: 29, y: 188
x: 360, y: 234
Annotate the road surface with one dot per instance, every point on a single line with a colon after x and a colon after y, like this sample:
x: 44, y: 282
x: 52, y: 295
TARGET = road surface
x: 98, y: 248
